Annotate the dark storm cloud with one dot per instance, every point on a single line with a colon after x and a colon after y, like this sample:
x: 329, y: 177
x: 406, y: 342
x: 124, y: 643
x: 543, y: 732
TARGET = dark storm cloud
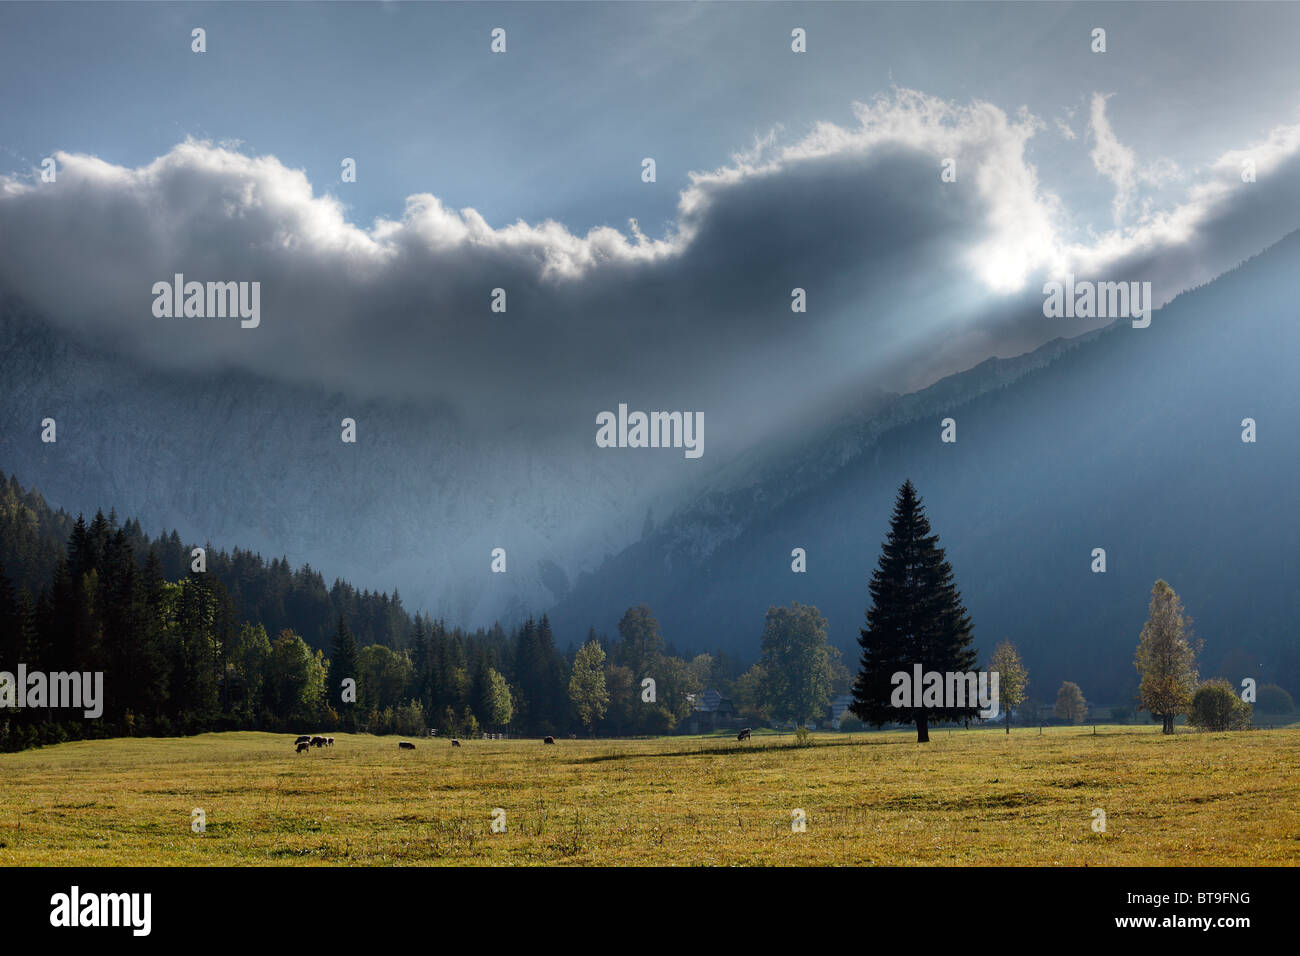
x: 906, y: 277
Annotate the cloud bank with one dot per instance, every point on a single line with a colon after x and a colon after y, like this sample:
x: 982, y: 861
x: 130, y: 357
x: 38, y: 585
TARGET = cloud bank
x: 907, y: 277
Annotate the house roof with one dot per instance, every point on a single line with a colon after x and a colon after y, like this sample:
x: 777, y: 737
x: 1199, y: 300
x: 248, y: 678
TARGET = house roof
x: 840, y: 705
x: 710, y: 700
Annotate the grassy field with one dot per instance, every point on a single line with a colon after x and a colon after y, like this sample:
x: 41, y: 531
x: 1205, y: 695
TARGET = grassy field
x: 969, y: 797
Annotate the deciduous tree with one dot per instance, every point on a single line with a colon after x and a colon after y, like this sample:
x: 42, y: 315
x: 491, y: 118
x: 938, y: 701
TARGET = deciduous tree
x: 1166, y: 657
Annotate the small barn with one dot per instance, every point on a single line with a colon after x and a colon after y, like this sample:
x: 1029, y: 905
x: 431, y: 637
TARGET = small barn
x: 840, y: 709
x: 710, y: 711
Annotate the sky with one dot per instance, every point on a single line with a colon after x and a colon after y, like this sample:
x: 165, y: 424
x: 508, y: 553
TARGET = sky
x: 587, y: 89
x: 522, y: 170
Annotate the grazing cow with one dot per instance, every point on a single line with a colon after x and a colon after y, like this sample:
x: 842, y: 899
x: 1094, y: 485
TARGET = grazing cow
x: 549, y: 740
x: 455, y: 743
x: 743, y: 735
x: 302, y: 745
x: 329, y: 741
x: 405, y: 745
x: 303, y: 739
x: 318, y: 741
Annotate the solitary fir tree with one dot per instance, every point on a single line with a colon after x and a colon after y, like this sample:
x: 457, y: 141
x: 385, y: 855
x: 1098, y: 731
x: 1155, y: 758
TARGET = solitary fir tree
x: 916, y: 617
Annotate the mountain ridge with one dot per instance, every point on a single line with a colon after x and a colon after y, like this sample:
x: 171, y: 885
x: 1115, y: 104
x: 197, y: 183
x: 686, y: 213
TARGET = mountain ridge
x: 710, y: 582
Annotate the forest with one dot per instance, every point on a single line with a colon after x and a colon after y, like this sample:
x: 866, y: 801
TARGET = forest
x: 251, y: 644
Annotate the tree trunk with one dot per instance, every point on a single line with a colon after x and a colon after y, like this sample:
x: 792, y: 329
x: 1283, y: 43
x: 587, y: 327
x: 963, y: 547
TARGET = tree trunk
x: 1008, y: 723
x: 1169, y: 723
x: 922, y: 728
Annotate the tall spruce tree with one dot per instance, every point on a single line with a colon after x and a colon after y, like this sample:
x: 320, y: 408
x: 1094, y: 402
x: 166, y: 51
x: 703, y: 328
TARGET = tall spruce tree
x: 916, y: 617
x: 10, y: 637
x: 150, y: 692
x: 343, y: 665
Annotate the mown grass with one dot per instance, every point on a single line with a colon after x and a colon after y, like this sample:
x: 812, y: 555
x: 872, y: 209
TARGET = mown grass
x: 967, y: 798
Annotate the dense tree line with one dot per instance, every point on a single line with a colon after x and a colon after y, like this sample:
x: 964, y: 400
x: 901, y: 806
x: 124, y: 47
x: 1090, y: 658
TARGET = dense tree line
x: 232, y: 642
x: 34, y: 538
x: 247, y: 644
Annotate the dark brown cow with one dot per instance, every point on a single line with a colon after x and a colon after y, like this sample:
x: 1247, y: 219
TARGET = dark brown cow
x: 329, y: 741
x: 304, y: 739
x: 743, y: 735
x: 318, y: 741
x: 302, y: 745
x: 405, y: 745
x: 549, y: 740
x: 455, y: 743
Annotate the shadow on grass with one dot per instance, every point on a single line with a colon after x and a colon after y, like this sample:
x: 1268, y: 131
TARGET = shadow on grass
x: 723, y: 748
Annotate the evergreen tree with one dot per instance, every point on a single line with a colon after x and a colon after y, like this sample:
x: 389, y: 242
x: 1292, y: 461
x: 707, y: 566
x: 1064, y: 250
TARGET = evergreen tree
x: 29, y: 638
x: 916, y: 618
x: 148, y: 696
x: 118, y: 608
x: 10, y: 625
x: 480, y: 691
x: 539, y: 674
x: 73, y: 633
x: 343, y: 665
x: 554, y: 678
x: 198, y: 628
x: 422, y: 685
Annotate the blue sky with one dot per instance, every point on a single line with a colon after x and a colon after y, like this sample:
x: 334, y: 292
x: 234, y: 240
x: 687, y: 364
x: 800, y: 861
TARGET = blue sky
x: 557, y: 127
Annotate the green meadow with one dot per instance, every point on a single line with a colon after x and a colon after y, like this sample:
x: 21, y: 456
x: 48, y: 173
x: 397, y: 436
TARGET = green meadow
x: 967, y: 797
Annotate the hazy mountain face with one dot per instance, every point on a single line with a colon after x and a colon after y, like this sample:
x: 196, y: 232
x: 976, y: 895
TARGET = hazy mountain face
x: 418, y: 503
x: 1129, y: 440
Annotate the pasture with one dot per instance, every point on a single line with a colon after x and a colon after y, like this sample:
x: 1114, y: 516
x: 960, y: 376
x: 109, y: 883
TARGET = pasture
x: 968, y: 797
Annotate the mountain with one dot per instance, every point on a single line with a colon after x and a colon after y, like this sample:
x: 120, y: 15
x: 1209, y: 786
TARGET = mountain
x: 417, y: 504
x: 1124, y: 439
